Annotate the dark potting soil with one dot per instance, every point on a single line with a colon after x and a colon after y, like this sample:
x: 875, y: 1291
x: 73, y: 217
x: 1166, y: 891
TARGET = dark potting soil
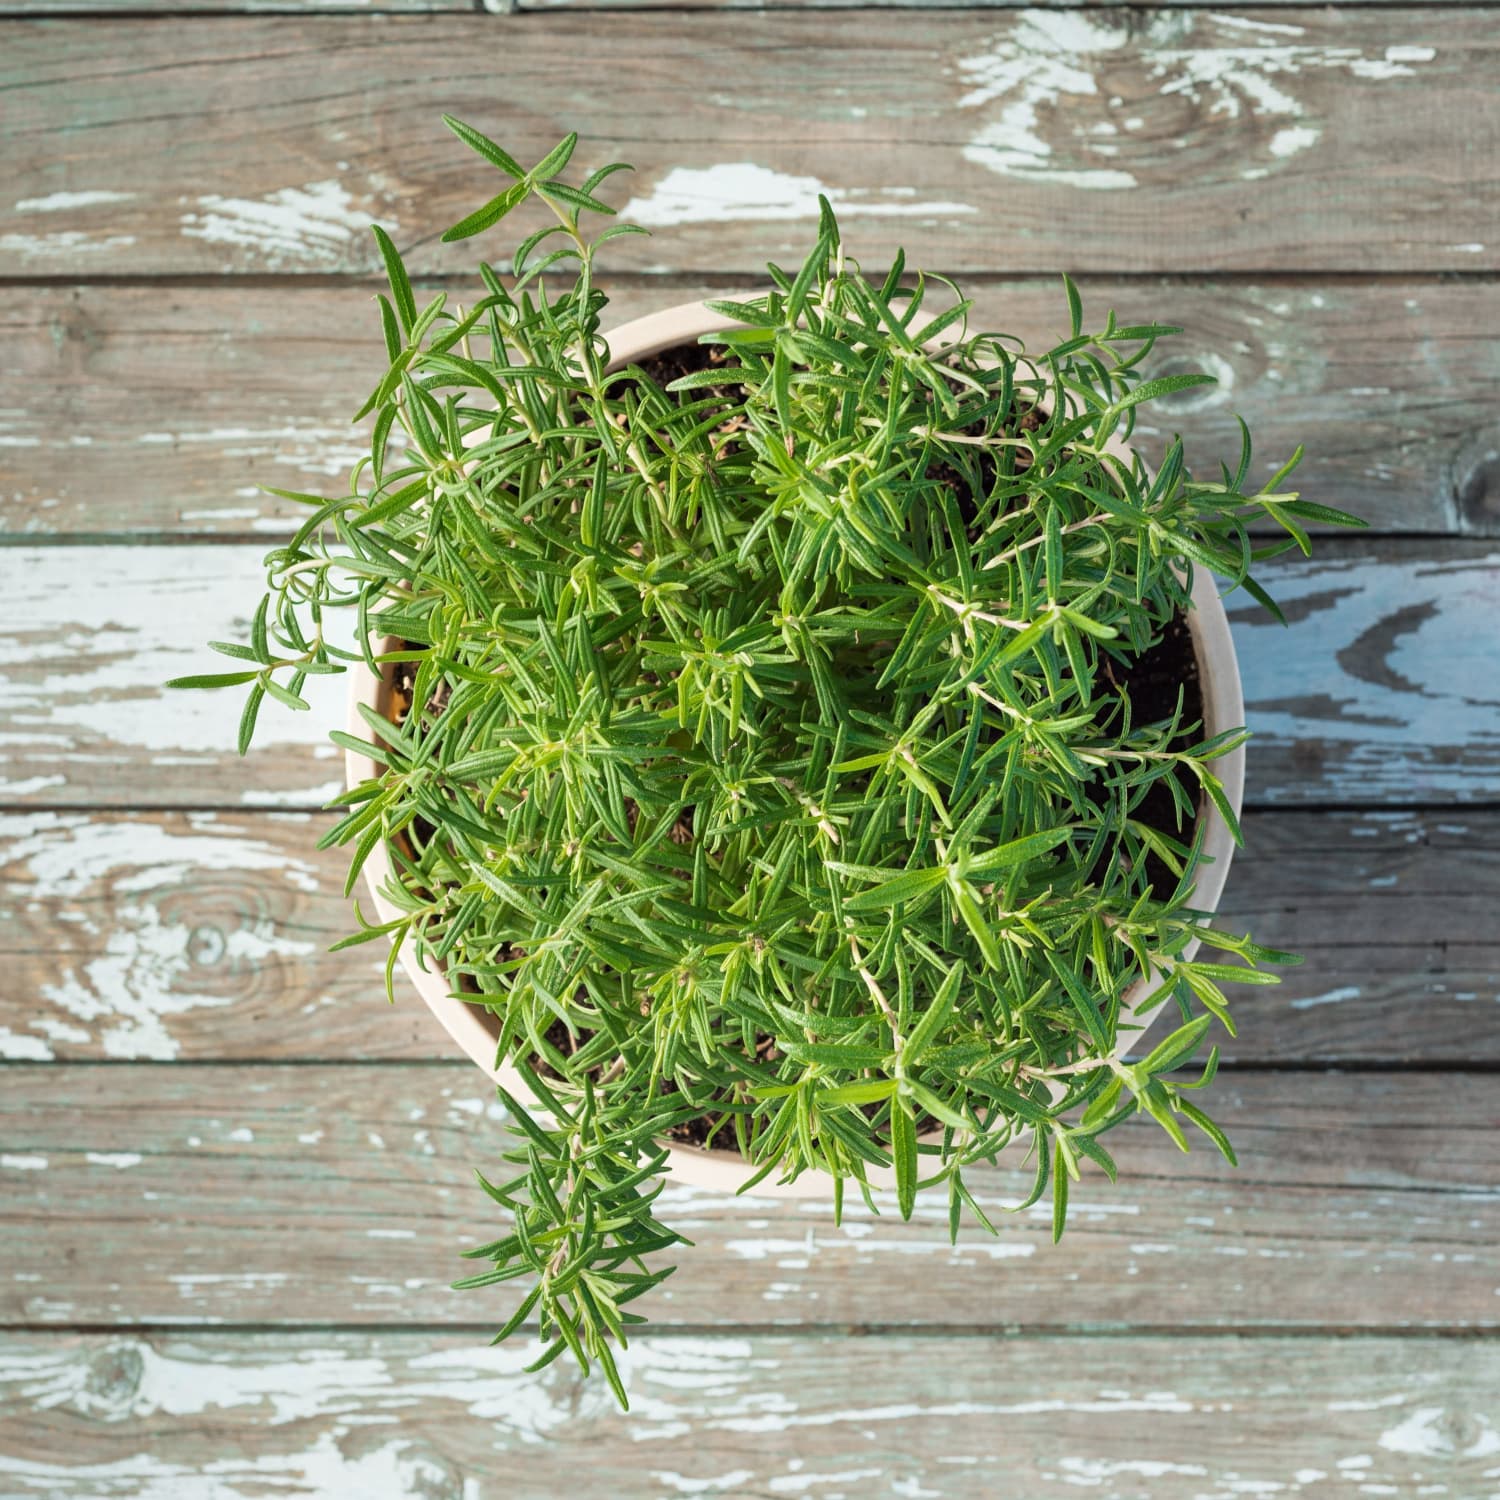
x: 672, y: 364
x: 1152, y: 683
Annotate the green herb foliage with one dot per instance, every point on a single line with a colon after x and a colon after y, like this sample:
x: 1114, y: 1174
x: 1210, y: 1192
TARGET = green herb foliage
x: 765, y: 772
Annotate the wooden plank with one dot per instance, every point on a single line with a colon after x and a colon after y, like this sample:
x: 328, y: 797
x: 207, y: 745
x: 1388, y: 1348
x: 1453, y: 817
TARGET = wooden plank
x: 188, y: 935
x: 1180, y: 1418
x: 343, y: 1194
x: 1354, y: 139
x: 168, y: 9
x: 1382, y: 691
x: 202, y: 936
x: 1375, y: 692
x: 135, y: 411
x: 928, y: 5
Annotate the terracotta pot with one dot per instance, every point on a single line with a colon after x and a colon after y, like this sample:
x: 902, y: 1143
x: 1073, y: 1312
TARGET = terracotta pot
x: 475, y: 1030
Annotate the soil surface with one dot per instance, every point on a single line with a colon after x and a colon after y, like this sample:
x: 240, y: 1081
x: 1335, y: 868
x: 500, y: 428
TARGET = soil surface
x: 1152, y: 683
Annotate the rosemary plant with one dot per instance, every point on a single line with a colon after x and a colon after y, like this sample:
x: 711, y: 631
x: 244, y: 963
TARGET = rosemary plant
x: 765, y: 765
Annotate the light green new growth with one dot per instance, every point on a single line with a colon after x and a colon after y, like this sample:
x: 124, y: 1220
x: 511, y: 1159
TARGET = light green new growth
x: 768, y: 773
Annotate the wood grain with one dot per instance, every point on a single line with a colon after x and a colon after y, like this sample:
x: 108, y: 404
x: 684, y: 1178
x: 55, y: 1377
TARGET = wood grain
x: 141, y: 411
x: 169, y: 9
x: 335, y: 1195
x: 1352, y: 140
x: 202, y: 936
x: 435, y: 1417
x: 1382, y: 691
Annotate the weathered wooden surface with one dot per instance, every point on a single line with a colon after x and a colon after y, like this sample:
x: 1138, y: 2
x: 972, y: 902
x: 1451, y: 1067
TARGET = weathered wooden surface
x: 204, y: 936
x: 1014, y: 140
x: 435, y: 1417
x: 1376, y: 692
x: 342, y: 1194
x: 206, y: 1120
x: 1382, y: 690
x: 168, y: 9
x: 131, y: 410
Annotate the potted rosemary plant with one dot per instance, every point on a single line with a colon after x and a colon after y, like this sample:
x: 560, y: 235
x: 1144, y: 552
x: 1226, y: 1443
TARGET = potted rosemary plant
x: 794, y: 741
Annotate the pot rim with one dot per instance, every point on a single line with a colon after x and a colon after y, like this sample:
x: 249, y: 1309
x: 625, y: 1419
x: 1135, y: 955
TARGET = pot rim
x: 471, y: 1027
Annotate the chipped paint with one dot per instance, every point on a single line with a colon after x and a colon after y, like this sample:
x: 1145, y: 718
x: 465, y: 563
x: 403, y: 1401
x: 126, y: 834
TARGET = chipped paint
x: 307, y: 446
x: 82, y: 668
x: 1096, y: 1471
x: 793, y: 1254
x: 1039, y: 83
x: 1329, y: 997
x: 63, y: 202
x: 119, y: 1160
x: 63, y: 242
x: 744, y: 190
x: 17, y: 1048
x: 1428, y: 1433
x: 1040, y: 63
x: 319, y: 221
x: 149, y: 968
x: 1294, y: 138
x: 680, y: 1484
x: 23, y: 1162
x: 1387, y: 666
x: 31, y: 785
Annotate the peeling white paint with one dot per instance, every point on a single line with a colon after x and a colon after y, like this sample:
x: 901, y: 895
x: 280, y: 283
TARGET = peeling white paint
x: 1395, y: 63
x: 1093, y: 1471
x: 31, y: 785
x: 681, y: 1484
x: 82, y: 669
x: 320, y: 1472
x: 63, y: 242
x: 744, y: 190
x: 119, y: 1160
x: 1422, y: 1435
x: 802, y: 1484
x: 797, y: 1254
x: 18, y: 1048
x: 188, y: 1283
x: 150, y: 967
x: 308, y: 446
x: 1411, y: 709
x: 23, y: 1162
x: 63, y: 202
x: 1039, y: 62
x: 316, y: 222
x: 1329, y: 997
x: 1294, y: 138
x: 1038, y: 82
